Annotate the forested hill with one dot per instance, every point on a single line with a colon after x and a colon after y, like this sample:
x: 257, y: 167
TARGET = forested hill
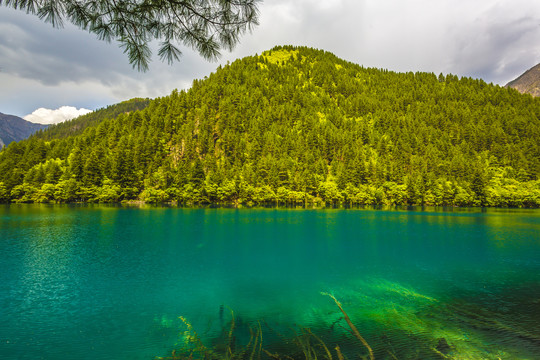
x: 79, y: 124
x: 298, y: 125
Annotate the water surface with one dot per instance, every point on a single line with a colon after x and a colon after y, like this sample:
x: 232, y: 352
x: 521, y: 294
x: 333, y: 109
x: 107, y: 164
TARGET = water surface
x: 104, y: 282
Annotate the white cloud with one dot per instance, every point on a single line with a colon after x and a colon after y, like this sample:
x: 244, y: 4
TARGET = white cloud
x: 48, y: 116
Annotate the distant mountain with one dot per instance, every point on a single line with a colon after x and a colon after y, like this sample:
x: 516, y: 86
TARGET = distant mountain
x: 528, y: 82
x: 13, y: 128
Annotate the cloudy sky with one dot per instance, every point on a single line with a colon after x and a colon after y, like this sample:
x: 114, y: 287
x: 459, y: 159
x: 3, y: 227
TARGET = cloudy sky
x: 44, y: 69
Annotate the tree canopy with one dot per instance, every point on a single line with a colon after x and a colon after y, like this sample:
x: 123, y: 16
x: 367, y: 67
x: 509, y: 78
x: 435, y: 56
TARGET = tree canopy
x: 293, y: 126
x: 206, y: 26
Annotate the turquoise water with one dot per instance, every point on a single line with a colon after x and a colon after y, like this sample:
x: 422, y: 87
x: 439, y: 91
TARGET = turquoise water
x: 102, y: 282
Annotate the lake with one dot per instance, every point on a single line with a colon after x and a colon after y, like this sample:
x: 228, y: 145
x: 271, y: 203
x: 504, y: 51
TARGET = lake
x: 112, y: 282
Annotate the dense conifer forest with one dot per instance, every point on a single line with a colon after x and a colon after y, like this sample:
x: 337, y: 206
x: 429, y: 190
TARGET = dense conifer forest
x: 294, y: 126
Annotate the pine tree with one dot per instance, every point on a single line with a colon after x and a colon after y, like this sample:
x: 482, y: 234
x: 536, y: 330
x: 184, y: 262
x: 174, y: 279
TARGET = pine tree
x: 92, y: 174
x: 204, y: 26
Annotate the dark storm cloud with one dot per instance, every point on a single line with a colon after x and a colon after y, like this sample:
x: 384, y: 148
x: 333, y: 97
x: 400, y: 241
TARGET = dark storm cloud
x: 35, y: 50
x: 43, y: 63
x: 496, y: 41
x: 498, y: 45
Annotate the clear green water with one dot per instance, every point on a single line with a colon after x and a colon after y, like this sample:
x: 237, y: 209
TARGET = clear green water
x: 98, y: 282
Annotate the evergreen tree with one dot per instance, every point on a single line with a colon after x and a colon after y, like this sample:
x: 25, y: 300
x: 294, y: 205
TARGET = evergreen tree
x: 260, y: 130
x: 204, y: 26
x: 92, y: 174
x: 76, y: 164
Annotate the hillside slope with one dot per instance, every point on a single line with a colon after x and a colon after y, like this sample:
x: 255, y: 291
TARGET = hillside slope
x: 14, y: 128
x: 79, y: 124
x: 528, y: 82
x: 298, y: 125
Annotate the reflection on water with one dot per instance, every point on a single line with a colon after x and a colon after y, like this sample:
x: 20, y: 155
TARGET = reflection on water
x: 106, y: 282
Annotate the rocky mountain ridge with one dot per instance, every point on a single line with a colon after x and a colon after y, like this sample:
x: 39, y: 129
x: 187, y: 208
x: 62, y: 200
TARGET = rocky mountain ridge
x: 528, y: 82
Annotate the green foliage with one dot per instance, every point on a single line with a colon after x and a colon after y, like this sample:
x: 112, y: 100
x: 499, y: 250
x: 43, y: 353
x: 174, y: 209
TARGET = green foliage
x: 205, y: 26
x: 78, y: 125
x: 294, y: 126
x: 4, y: 195
x: 67, y: 191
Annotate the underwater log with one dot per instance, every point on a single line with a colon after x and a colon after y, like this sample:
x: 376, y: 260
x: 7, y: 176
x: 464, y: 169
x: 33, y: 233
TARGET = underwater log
x: 351, y: 325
